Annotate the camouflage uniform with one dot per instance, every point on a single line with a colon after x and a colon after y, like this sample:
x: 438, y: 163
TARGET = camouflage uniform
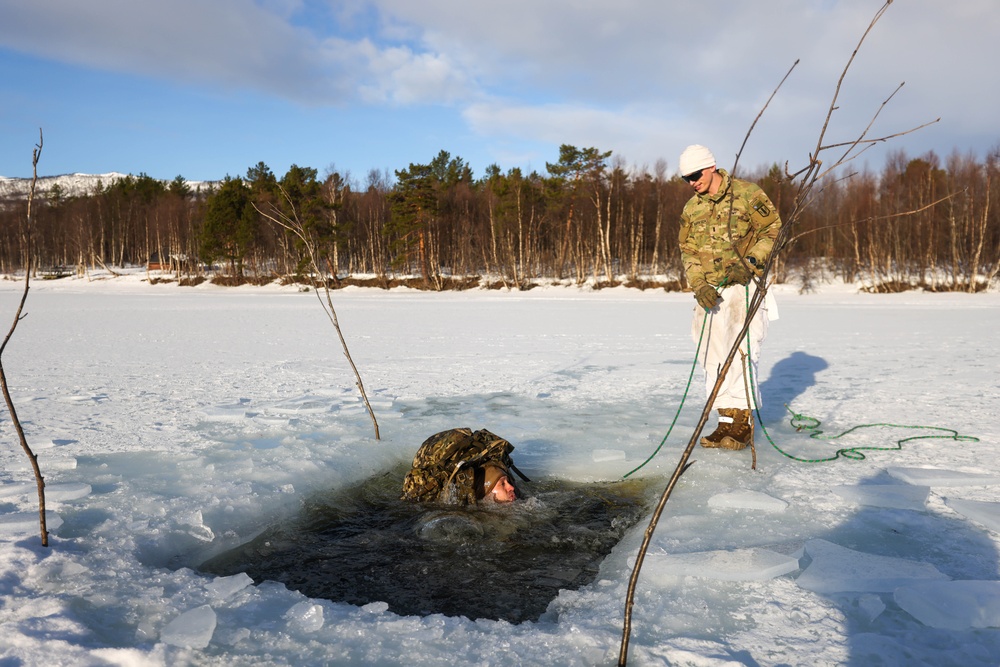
x: 707, y: 253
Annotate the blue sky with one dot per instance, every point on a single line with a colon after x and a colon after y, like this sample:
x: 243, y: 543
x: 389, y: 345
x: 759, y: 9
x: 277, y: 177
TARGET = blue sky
x: 208, y: 88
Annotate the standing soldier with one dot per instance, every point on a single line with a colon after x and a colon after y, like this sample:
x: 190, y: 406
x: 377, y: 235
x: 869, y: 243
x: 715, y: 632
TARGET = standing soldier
x: 725, y: 220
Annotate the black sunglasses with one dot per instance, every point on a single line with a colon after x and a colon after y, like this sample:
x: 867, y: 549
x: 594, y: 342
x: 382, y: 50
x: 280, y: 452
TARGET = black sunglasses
x: 691, y: 178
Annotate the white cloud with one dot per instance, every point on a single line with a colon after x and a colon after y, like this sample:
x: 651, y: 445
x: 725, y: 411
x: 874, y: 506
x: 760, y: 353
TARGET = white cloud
x: 641, y: 77
x: 397, y: 75
x: 570, y: 69
x: 232, y: 44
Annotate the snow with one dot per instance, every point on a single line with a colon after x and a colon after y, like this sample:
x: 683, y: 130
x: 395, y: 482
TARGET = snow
x: 175, y: 423
x: 72, y: 185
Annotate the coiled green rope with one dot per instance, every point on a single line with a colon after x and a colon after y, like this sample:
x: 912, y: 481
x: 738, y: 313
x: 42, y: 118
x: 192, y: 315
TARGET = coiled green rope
x: 810, y: 424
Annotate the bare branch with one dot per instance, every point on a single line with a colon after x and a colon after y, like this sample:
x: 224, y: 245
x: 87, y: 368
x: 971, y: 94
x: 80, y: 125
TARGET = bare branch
x: 874, y: 218
x: 843, y: 75
x: 810, y: 175
x: 18, y: 316
x: 295, y: 226
x: 761, y: 113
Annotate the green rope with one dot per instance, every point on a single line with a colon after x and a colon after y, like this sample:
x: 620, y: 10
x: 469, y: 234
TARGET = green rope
x: 804, y: 423
x: 694, y: 365
x: 811, y: 425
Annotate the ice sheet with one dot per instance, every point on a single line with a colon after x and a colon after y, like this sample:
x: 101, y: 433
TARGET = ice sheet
x: 952, y: 605
x: 753, y: 564
x: 835, y: 569
x: 942, y: 477
x: 192, y: 629
x: 747, y: 500
x: 895, y: 496
x: 981, y: 511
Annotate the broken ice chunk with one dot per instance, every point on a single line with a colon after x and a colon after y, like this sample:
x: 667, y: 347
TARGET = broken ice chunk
x: 19, y: 523
x: 192, y: 629
x: 895, y: 496
x: 952, y: 605
x: 602, y: 455
x: 980, y: 511
x: 16, y: 489
x: 836, y: 569
x: 753, y: 564
x: 305, y: 616
x: 749, y: 500
x: 225, y: 587
x: 940, y: 477
x: 872, y: 605
x: 67, y: 491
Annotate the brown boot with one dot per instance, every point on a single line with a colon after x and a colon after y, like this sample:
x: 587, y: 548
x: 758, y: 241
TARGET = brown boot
x: 734, y: 431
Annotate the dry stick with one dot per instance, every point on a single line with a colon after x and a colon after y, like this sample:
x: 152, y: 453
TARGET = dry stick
x: 747, y: 371
x: 294, y: 225
x: 39, y: 480
x: 809, y: 179
x: 682, y: 466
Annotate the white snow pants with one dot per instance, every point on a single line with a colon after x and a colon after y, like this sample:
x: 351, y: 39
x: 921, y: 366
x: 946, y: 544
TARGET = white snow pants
x: 721, y: 327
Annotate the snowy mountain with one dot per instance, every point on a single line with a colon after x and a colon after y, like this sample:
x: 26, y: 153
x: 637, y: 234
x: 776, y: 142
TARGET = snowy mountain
x: 72, y: 185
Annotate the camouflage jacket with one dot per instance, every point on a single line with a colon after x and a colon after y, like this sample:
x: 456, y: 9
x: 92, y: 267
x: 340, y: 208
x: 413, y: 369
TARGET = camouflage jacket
x: 706, y: 249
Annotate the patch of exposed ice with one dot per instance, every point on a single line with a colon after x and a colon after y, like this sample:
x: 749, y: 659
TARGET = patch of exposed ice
x: 952, y: 605
x: 753, y: 564
x: 980, y: 511
x: 836, y: 569
x: 748, y: 500
x: 192, y: 629
x: 895, y: 496
x: 942, y: 477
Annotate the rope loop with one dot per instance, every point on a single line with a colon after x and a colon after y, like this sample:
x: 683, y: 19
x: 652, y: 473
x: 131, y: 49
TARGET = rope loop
x: 809, y: 424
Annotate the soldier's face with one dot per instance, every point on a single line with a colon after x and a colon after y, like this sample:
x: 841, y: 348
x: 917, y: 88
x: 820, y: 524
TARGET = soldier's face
x: 704, y: 180
x: 504, y: 491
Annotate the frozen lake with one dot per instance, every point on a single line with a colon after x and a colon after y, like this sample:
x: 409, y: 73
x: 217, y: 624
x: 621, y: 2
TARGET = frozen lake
x: 173, y: 424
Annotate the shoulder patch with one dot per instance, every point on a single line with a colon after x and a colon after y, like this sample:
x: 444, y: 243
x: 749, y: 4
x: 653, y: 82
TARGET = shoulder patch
x: 761, y: 206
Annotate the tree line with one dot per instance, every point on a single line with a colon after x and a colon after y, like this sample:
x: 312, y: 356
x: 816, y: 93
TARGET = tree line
x: 920, y: 222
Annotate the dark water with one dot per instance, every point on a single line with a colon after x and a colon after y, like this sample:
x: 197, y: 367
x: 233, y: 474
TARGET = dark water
x: 362, y: 544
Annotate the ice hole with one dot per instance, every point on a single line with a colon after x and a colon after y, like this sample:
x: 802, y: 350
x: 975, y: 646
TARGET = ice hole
x: 362, y: 544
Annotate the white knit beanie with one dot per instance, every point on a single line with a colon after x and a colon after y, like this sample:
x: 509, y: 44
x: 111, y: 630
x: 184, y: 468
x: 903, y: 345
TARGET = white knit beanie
x: 693, y: 158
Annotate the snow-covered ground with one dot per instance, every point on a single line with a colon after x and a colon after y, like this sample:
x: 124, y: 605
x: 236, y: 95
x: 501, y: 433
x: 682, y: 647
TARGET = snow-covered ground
x: 174, y: 423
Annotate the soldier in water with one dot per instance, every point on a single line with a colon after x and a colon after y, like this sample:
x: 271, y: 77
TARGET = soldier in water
x: 462, y: 467
x: 727, y: 233
x: 497, y: 486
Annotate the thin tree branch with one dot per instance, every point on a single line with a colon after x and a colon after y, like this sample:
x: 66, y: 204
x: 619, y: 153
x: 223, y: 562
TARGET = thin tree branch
x: 294, y: 225
x: 39, y: 480
x: 874, y: 218
x: 760, y: 114
x: 810, y: 175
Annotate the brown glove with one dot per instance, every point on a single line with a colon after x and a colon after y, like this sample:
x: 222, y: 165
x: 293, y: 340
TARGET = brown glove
x: 706, y: 296
x: 738, y: 274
